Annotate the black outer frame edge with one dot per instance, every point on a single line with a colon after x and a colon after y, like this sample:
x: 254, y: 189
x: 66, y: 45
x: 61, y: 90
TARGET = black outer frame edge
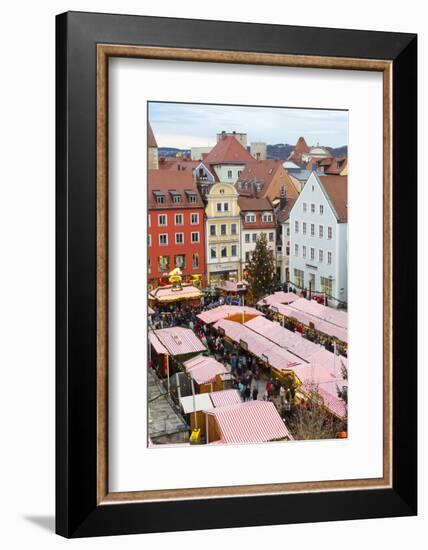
x: 61, y: 251
x: 404, y: 290
x: 76, y: 509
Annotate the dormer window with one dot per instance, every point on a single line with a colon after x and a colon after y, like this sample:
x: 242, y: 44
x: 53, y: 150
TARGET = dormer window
x: 176, y: 196
x: 250, y: 218
x: 159, y: 196
x: 267, y: 217
x: 191, y: 195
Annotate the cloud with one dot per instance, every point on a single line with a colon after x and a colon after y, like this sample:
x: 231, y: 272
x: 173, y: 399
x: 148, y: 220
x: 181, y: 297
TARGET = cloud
x: 186, y: 125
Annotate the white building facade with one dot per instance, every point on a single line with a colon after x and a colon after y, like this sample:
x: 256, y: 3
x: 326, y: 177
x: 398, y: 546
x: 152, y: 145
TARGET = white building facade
x: 318, y: 237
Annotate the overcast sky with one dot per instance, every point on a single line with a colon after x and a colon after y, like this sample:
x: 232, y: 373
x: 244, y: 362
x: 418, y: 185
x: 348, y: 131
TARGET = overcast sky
x: 191, y: 125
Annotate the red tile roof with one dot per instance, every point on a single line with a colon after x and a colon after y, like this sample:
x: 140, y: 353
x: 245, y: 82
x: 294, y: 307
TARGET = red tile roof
x: 264, y: 172
x: 165, y: 181
x: 228, y: 150
x: 301, y: 146
x: 176, y: 163
x: 336, y: 188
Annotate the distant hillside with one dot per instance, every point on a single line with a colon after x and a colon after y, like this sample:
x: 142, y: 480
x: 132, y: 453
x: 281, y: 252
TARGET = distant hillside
x: 339, y: 151
x: 279, y: 151
x: 171, y: 151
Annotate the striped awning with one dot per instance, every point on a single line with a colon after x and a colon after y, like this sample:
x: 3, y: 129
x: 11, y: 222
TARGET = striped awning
x: 204, y: 369
x: 225, y: 398
x: 179, y: 340
x: 159, y: 348
x: 249, y: 422
x: 222, y: 312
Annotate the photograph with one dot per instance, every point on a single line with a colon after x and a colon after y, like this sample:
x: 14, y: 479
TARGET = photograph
x: 247, y: 272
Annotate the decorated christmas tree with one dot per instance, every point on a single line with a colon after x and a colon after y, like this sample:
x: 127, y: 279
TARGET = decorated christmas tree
x: 261, y: 268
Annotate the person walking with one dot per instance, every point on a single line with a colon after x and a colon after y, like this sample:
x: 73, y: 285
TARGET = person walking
x: 247, y: 393
x: 255, y: 393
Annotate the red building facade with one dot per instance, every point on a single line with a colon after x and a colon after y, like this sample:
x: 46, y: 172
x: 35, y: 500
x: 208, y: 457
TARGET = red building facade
x: 176, y: 226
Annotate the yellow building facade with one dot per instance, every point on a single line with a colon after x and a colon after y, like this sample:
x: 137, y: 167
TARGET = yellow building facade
x: 223, y: 234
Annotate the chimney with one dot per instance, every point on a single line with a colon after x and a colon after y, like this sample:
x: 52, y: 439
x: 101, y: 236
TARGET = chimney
x: 282, y: 197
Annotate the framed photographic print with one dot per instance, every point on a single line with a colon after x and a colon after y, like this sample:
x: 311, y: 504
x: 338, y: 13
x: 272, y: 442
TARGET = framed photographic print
x: 236, y: 274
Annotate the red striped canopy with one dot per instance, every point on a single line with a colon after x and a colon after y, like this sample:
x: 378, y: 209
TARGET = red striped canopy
x: 250, y: 422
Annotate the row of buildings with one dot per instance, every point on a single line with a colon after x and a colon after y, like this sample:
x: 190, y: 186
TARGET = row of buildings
x: 205, y: 215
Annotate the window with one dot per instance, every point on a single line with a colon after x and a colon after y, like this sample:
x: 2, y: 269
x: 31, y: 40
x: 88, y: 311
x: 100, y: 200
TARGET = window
x: 321, y: 231
x: 271, y: 237
x: 320, y: 255
x: 313, y: 188
x: 149, y: 240
x: 179, y: 261
x: 267, y: 218
x: 296, y: 226
x: 223, y: 251
x: 312, y: 253
x: 312, y: 229
x: 213, y: 252
x: 163, y: 262
x: 247, y: 237
x: 194, y: 219
x: 229, y: 174
x: 222, y: 191
x: 298, y: 277
x: 233, y: 229
x: 179, y: 219
x: 162, y: 219
x: 149, y: 220
x: 176, y: 199
x: 213, y: 231
x: 192, y: 198
x: 160, y: 199
x: 287, y: 250
x: 288, y: 230
x: 304, y: 251
x: 234, y: 250
x: 239, y: 173
x: 163, y: 239
x: 296, y: 249
x: 223, y: 229
x: 305, y: 207
x: 250, y: 218
x: 329, y: 257
x: 254, y: 237
x: 149, y: 264
x: 304, y: 228
x: 247, y: 256
x: 226, y: 207
x: 326, y: 285
x: 321, y: 209
x: 179, y: 238
x: 195, y: 260
x: 329, y: 232
x: 312, y: 207
x: 219, y: 207
x: 195, y: 237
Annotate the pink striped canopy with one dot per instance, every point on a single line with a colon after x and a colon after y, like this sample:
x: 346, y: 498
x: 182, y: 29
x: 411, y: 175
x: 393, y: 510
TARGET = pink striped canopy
x: 321, y: 312
x: 250, y: 422
x: 278, y: 298
x: 222, y: 312
x: 294, y: 342
x: 225, y: 398
x: 204, y: 369
x: 261, y: 347
x: 179, y: 340
x: 306, y: 318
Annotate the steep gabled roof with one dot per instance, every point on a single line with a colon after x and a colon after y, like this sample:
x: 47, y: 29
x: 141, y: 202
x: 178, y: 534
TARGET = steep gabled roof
x: 228, y: 150
x: 151, y: 140
x: 336, y: 189
x: 301, y: 146
x: 264, y: 172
